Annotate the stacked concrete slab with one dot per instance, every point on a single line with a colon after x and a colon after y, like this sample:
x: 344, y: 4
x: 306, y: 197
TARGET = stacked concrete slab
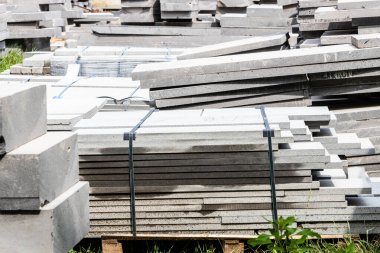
x: 363, y: 14
x: 46, y: 206
x: 260, y: 19
x: 308, y: 25
x: 108, y: 61
x: 92, y: 61
x: 355, y: 84
x: 276, y: 77
x: 191, y: 177
x: 39, y: 18
x: 179, y: 9
x: 162, y: 34
x: 141, y: 11
x: 362, y: 121
x: 340, y: 18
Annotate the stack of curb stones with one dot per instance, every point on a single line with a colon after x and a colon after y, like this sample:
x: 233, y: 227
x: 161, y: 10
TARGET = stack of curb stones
x: 43, y: 206
x: 261, y: 19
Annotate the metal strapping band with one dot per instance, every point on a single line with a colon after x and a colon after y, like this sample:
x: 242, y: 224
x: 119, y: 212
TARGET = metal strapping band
x: 59, y: 96
x: 269, y: 133
x: 131, y: 136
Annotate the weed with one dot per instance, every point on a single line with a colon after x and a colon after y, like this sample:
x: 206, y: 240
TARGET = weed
x: 284, y: 238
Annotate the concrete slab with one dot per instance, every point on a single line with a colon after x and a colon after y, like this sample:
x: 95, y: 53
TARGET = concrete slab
x: 337, y: 37
x: 57, y: 228
x: 358, y: 4
x: 232, y: 47
x: 366, y: 40
x: 22, y: 113
x: 251, y: 61
x: 41, y: 169
x: 368, y: 29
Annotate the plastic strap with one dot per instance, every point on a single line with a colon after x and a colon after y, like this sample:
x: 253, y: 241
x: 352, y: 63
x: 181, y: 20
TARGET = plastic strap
x: 131, y: 136
x: 269, y: 133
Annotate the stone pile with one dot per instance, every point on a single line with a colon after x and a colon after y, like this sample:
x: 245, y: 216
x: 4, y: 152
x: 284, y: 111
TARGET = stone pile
x: 39, y: 18
x: 207, y: 172
x: 261, y: 19
x: 44, y: 207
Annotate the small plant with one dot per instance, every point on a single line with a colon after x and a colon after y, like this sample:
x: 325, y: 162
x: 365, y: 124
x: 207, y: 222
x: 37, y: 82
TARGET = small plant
x: 14, y: 56
x: 156, y: 249
x: 285, y: 237
x: 205, y: 248
x: 86, y: 250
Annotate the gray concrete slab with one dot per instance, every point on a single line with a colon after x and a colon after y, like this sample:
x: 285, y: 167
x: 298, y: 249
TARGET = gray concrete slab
x: 233, y: 47
x: 366, y: 40
x: 155, y: 30
x: 260, y: 73
x: 41, y: 169
x: 337, y: 37
x: 22, y: 113
x: 253, y: 61
x: 57, y: 228
x: 357, y: 4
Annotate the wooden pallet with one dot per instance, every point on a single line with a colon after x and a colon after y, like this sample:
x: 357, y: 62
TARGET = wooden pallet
x: 231, y: 243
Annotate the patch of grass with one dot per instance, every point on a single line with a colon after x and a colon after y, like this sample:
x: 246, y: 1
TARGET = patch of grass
x: 14, y: 56
x: 348, y: 245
